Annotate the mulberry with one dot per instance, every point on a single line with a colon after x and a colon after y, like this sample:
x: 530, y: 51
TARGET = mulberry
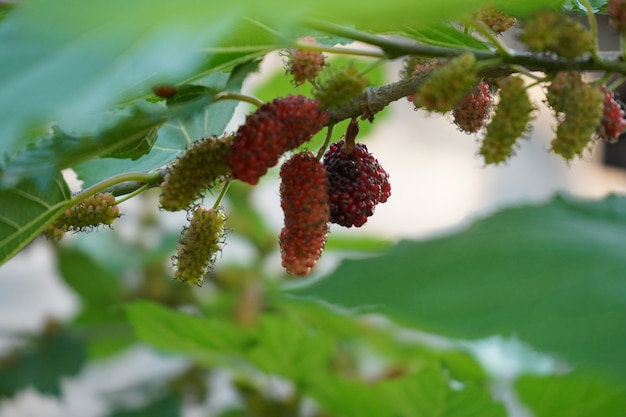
x: 549, y: 31
x: 617, y: 15
x: 509, y: 121
x: 199, y: 244
x: 356, y: 184
x: 304, y: 64
x: 98, y: 209
x: 340, y: 86
x: 304, y: 200
x: 578, y: 108
x: 275, y: 128
x: 613, y: 123
x: 196, y: 170
x: 471, y: 112
x: 448, y: 84
x: 496, y: 19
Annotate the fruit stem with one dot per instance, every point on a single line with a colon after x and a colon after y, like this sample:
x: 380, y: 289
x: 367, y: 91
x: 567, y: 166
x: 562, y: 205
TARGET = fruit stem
x: 219, y: 198
x: 593, y: 27
x: 484, y: 30
x: 612, y: 86
x: 337, y: 50
x: 351, y: 133
x: 373, y: 66
x: 329, y: 134
x: 527, y: 73
x: 108, y: 185
x: 133, y: 194
x: 229, y: 95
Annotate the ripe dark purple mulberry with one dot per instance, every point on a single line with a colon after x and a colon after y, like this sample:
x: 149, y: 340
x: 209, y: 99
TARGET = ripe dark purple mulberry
x: 304, y: 199
x: 356, y: 184
x: 276, y: 127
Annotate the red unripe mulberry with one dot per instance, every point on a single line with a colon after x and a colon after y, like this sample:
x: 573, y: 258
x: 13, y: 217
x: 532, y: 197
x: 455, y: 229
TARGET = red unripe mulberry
x: 275, y: 128
x: 613, y: 123
x: 304, y: 199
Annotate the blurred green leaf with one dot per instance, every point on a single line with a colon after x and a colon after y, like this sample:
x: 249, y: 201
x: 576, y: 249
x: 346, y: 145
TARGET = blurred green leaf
x: 41, y: 364
x: 167, y: 406
x: 426, y: 394
x: 100, y: 291
x: 344, y: 242
x: 25, y: 210
x: 201, y: 338
x: 575, y: 395
x: 552, y: 275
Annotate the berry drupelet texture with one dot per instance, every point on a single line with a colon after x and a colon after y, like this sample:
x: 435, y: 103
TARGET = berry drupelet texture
x: 356, y: 184
x: 304, y: 200
x: 199, y: 168
x: 447, y: 84
x: 471, y: 113
x: 613, y: 123
x: 578, y: 107
x: 304, y: 64
x: 98, y: 209
x: 275, y: 128
x: 198, y: 245
x: 509, y: 122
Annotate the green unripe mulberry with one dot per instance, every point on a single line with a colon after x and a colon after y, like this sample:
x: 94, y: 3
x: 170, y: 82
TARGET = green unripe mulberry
x: 550, y: 31
x: 199, y: 244
x: 196, y: 170
x: 448, y: 84
x: 578, y: 107
x: 509, y: 121
x: 98, y: 209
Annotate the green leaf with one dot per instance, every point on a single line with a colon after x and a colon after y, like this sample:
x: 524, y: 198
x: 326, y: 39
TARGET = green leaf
x: 426, y: 394
x: 64, y: 150
x: 41, y: 364
x: 25, y: 210
x: 575, y: 5
x: 552, y: 275
x: 199, y: 337
x: 444, y: 35
x: 575, y: 395
x: 137, y: 146
x: 173, y: 137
